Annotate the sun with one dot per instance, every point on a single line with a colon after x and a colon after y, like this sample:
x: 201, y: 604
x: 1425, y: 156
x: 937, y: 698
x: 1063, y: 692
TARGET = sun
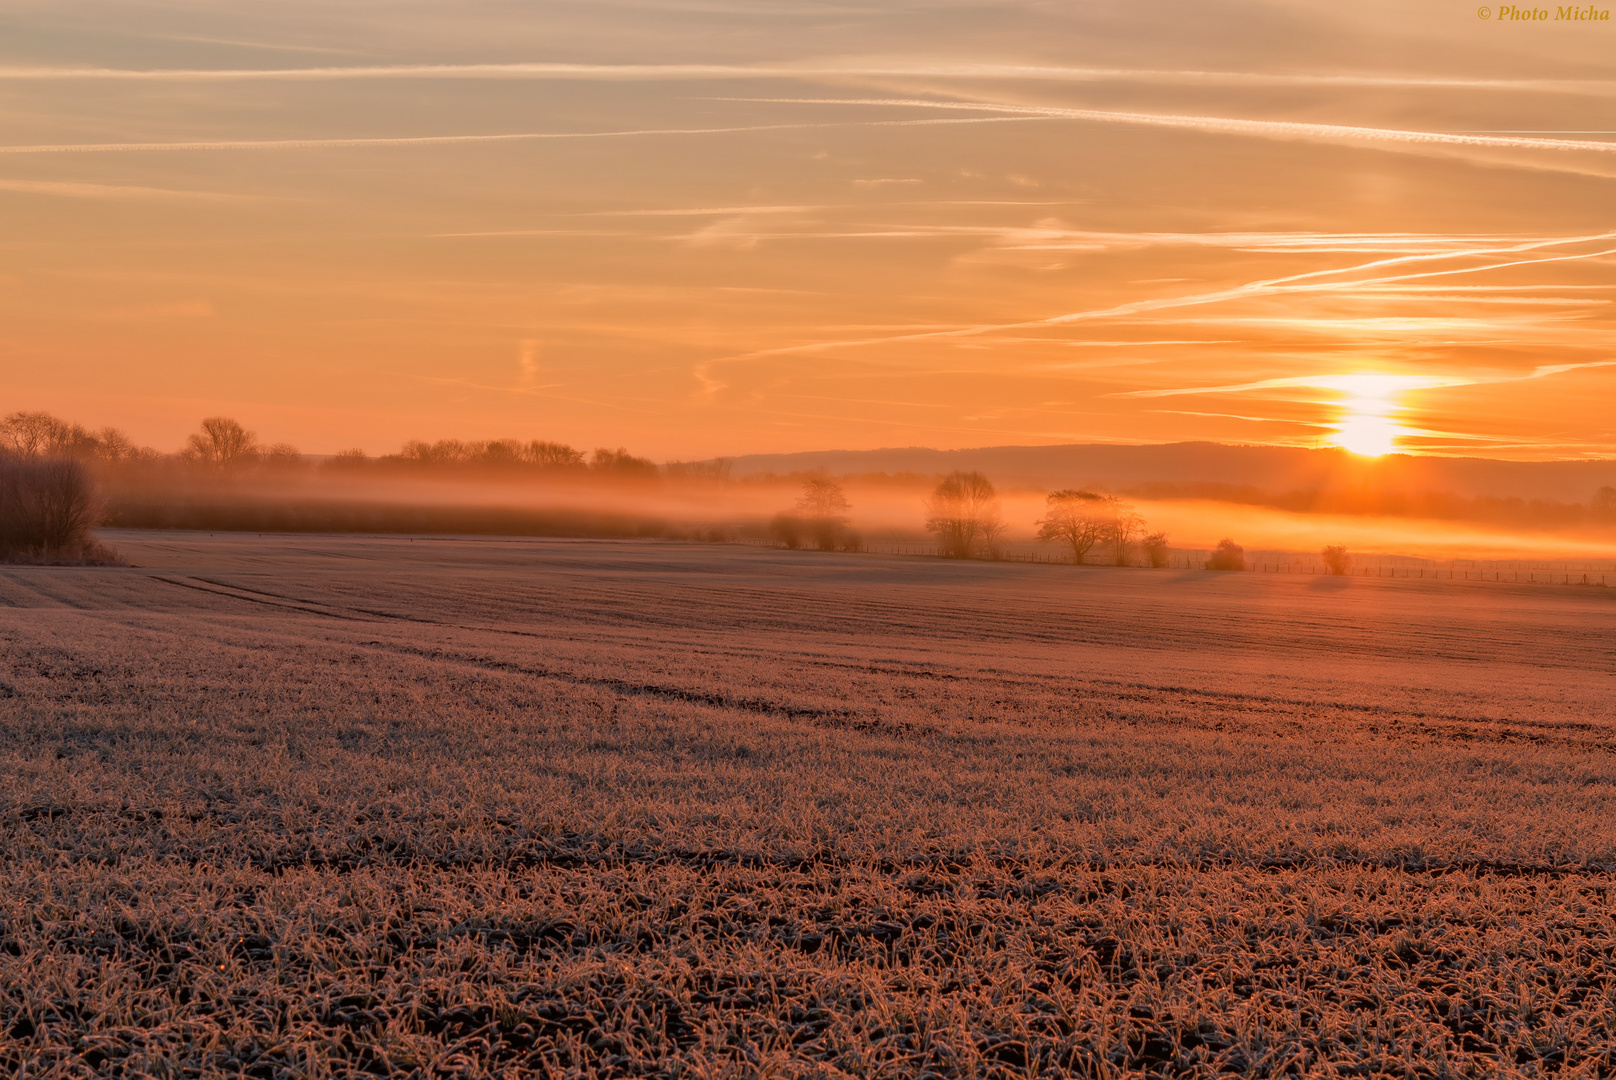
x: 1367, y: 424
x: 1367, y: 434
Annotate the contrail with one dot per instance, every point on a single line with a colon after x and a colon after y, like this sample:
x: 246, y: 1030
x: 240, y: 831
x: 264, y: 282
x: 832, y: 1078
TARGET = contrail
x: 1294, y: 283
x: 113, y: 191
x: 850, y: 68
x: 1344, y: 382
x: 395, y: 71
x: 1225, y: 125
x: 1217, y: 124
x: 446, y: 140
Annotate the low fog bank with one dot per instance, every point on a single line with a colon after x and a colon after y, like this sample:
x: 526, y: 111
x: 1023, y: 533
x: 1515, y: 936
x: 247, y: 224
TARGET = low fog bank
x: 1122, y: 502
x: 879, y: 509
x: 1288, y: 477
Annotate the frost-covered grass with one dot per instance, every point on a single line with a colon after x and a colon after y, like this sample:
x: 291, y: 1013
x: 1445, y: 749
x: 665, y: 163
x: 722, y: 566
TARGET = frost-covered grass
x: 323, y: 806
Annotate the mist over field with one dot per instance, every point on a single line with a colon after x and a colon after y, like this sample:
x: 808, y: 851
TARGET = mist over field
x: 1300, y: 501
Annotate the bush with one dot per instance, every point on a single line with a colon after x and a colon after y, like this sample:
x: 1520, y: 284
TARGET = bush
x: 1155, y: 549
x: 832, y: 534
x: 826, y: 534
x: 1336, y: 559
x: 47, y: 509
x: 347, y: 459
x: 1228, y: 556
x: 787, y: 529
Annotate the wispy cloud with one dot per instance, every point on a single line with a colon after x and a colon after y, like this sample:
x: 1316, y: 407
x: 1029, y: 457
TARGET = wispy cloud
x: 72, y: 190
x: 839, y: 69
x: 1349, y: 383
x: 1505, y: 256
x: 1313, y: 382
x: 1276, y: 129
x: 446, y: 140
x: 246, y: 43
x: 1239, y: 416
x: 703, y: 211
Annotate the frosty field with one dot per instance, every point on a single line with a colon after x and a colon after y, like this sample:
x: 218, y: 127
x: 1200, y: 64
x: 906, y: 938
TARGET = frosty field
x: 318, y: 805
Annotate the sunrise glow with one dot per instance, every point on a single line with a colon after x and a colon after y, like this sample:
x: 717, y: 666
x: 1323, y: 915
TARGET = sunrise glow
x: 1367, y: 423
x: 781, y: 227
x: 1367, y: 433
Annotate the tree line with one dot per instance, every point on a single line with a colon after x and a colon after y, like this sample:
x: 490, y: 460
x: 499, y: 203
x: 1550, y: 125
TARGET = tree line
x: 224, y: 445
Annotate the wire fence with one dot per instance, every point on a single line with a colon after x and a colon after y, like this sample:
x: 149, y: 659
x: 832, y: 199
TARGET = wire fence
x: 1514, y: 571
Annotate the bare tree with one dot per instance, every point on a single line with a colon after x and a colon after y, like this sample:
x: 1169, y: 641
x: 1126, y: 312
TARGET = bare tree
x: 1074, y: 518
x: 32, y: 435
x: 1084, y: 520
x: 442, y: 452
x: 347, y: 459
x: 1155, y: 549
x: 223, y: 443
x: 115, y: 446
x: 824, y: 504
x: 283, y: 456
x: 553, y: 455
x: 822, y: 497
x: 500, y: 453
x: 1336, y: 559
x: 963, y: 511
x: 1120, y: 531
x: 622, y: 463
x: 1604, y: 501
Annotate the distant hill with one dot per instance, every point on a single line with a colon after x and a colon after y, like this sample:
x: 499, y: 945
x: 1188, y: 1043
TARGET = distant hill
x: 1202, y: 468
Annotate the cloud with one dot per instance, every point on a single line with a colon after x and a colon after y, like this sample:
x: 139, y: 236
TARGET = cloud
x: 849, y: 68
x: 1314, y: 281
x: 445, y: 140
x: 1224, y: 125
x: 238, y: 43
x: 67, y: 189
x: 1375, y: 383
x: 704, y: 211
x: 527, y: 362
x: 1344, y: 383
x: 1238, y: 416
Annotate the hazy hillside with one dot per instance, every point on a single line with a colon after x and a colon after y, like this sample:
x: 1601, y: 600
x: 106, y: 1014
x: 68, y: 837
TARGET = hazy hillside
x: 1272, y: 469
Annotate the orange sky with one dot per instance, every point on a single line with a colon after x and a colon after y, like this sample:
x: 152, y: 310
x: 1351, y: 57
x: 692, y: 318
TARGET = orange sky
x: 722, y: 227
